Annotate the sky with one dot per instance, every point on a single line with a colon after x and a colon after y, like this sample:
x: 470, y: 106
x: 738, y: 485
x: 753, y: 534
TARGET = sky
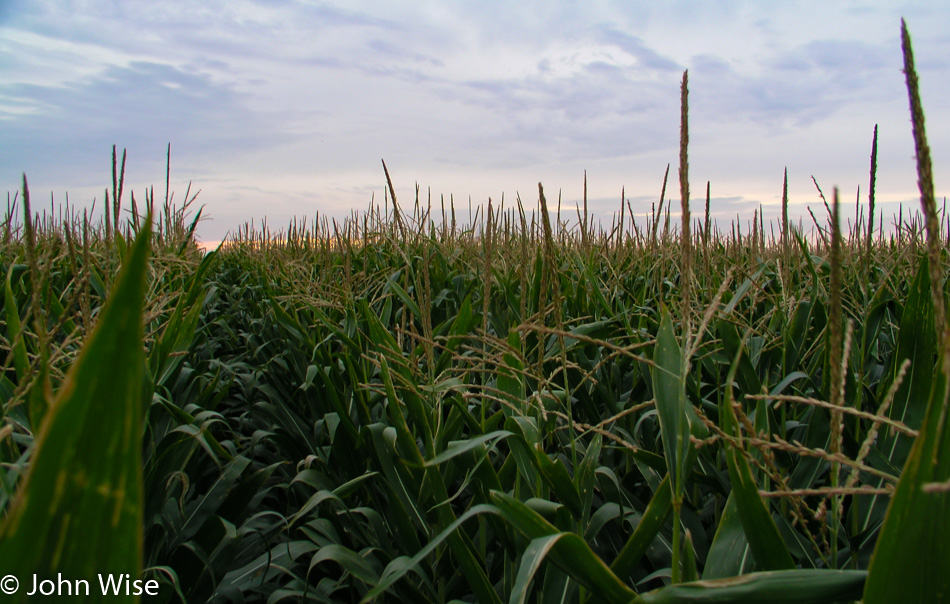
x: 284, y: 108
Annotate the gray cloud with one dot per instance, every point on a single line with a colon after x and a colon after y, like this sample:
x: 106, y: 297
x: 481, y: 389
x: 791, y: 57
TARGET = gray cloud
x: 141, y: 106
x: 647, y: 57
x: 267, y: 100
x: 799, y: 86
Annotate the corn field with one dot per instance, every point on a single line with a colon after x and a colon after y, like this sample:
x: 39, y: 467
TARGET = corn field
x: 521, y: 406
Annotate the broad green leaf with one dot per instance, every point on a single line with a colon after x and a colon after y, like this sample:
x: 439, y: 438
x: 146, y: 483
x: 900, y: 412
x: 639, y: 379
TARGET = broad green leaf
x: 584, y: 476
x: 348, y: 559
x: 558, y: 587
x: 58, y: 312
x: 404, y: 296
x: 268, y: 564
x: 792, y: 586
x: 458, y: 448
x: 214, y: 497
x: 917, y: 342
x: 742, y: 291
x: 690, y: 572
x: 79, y: 510
x: 14, y: 331
x: 535, y: 297
x: 406, y: 441
x: 409, y: 396
x: 571, y: 553
x: 556, y: 476
x: 597, y: 329
x: 459, y: 329
x: 651, y: 523
x: 510, y: 376
x: 746, y: 376
x: 404, y: 508
x: 531, y: 561
x: 460, y: 545
x: 604, y: 514
x: 397, y: 569
x: 523, y: 454
x: 180, y: 328
x: 729, y: 553
x: 764, y: 539
x: 333, y: 394
x: 796, y: 332
x: 669, y: 386
x: 379, y: 334
x: 912, y: 555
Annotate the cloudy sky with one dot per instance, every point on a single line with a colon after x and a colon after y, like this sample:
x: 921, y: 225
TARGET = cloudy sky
x: 284, y: 108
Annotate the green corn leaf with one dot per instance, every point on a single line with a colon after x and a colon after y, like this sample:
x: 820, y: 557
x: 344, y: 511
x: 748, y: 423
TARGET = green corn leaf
x: 289, y: 321
x: 729, y: 552
x: 348, y: 559
x: 400, y: 476
x: 531, y: 561
x: 341, y: 334
x: 58, y: 312
x: 597, y: 329
x: 268, y: 564
x: 746, y: 376
x: 511, y: 376
x: 460, y: 327
x: 670, y: 391
x: 535, y: 297
x: 571, y: 553
x: 605, y: 513
x: 215, y: 496
x: 556, y: 476
x: 333, y: 394
x: 20, y: 360
x: 39, y: 394
x: 79, y: 511
x: 378, y: 333
x: 189, y: 234
x: 557, y: 586
x: 690, y: 573
x: 912, y: 554
x: 404, y: 296
x: 792, y: 586
x: 916, y: 342
x: 763, y: 536
x: 796, y: 332
x: 95, y: 281
x: 460, y: 545
x: 458, y: 448
x: 401, y: 505
x: 584, y: 476
x: 526, y: 430
x: 397, y: 569
x: 651, y: 523
x: 180, y: 328
x: 406, y: 440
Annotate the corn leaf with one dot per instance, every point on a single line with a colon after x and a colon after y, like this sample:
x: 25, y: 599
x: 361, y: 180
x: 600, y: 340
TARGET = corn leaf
x: 729, y: 552
x: 763, y: 536
x: 79, y: 511
x: 670, y: 390
x: 912, y: 555
x: 571, y: 553
x: 650, y: 524
x: 792, y: 586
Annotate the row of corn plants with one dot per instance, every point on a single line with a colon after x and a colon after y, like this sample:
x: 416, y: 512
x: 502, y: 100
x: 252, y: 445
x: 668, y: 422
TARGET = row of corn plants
x: 407, y: 406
